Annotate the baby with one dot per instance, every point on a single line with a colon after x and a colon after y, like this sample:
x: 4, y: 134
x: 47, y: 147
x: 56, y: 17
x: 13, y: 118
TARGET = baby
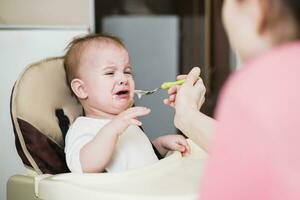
x: 108, y: 138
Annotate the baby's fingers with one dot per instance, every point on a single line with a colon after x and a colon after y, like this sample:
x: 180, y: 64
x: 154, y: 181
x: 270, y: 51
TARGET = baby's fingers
x: 178, y: 147
x: 136, y: 112
x: 182, y: 141
x: 135, y: 122
x: 130, y: 115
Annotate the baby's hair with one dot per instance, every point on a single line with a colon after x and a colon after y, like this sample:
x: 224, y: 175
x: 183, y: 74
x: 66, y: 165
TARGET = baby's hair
x: 75, y: 48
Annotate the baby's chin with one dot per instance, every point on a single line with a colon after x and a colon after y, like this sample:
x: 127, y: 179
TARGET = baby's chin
x: 121, y: 106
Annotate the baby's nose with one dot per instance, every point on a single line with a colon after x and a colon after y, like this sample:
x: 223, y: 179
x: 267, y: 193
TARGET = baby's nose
x: 123, y: 82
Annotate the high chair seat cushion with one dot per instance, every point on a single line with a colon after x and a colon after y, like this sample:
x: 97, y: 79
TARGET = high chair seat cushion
x: 42, y: 107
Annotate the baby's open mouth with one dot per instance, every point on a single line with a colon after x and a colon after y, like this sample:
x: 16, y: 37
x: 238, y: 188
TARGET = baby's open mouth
x: 122, y: 92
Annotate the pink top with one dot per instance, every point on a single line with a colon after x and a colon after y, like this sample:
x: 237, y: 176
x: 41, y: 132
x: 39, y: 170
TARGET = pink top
x: 255, y: 154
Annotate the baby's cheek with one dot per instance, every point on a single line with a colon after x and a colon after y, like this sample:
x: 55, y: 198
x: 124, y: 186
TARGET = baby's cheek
x: 132, y: 84
x: 131, y: 95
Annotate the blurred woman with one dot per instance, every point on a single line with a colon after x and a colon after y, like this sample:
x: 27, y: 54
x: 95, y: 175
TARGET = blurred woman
x: 254, y: 151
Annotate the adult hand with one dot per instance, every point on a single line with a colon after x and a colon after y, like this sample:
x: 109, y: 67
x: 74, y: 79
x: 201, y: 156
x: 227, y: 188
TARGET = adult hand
x: 187, y: 99
x: 190, y: 94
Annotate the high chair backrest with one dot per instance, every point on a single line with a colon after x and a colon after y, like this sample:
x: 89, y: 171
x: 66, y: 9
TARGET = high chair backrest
x: 42, y: 107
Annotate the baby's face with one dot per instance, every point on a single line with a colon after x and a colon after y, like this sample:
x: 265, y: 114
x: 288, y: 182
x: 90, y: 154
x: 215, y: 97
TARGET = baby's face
x: 106, y: 73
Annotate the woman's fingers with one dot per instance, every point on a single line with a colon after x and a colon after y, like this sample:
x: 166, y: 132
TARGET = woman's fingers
x: 172, y: 95
x: 171, y: 100
x: 193, y: 76
x: 199, y: 85
x: 192, y: 81
x: 181, y: 76
x: 173, y: 89
x: 169, y: 103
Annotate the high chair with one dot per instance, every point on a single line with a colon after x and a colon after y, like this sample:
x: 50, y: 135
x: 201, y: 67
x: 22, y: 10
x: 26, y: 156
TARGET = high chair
x: 42, y: 108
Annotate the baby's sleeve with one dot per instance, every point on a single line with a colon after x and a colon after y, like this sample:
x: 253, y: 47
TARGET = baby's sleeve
x: 76, y: 138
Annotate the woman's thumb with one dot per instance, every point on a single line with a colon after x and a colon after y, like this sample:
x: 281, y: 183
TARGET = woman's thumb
x: 193, y: 76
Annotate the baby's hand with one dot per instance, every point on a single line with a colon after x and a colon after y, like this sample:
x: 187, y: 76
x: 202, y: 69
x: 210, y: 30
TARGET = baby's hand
x: 128, y: 117
x: 172, y: 143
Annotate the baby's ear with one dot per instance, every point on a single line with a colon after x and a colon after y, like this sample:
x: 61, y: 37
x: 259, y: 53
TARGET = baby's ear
x: 77, y: 86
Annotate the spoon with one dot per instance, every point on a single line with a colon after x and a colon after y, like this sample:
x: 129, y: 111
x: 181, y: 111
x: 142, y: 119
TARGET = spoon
x: 164, y: 86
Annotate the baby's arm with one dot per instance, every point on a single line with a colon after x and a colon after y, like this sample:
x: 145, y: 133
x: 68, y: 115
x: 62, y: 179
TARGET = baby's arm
x: 171, y: 143
x: 96, y: 154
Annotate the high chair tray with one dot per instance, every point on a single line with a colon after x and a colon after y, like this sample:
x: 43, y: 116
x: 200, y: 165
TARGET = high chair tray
x: 174, y: 177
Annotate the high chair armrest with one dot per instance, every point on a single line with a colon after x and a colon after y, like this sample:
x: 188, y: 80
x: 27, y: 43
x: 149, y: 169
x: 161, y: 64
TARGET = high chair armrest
x: 20, y: 187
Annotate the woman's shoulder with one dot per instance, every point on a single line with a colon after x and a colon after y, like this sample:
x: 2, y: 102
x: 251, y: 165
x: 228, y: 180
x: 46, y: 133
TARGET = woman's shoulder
x: 266, y: 81
x: 276, y: 67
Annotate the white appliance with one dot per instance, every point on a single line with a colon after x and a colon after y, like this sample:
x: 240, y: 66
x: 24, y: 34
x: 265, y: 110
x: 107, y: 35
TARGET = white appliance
x: 20, y: 46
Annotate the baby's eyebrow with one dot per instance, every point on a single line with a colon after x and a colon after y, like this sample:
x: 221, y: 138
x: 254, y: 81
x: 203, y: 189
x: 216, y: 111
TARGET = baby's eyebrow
x: 112, y: 67
x: 108, y: 67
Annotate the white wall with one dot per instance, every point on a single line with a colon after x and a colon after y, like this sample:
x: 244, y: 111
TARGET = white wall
x: 45, y: 12
x: 18, y: 48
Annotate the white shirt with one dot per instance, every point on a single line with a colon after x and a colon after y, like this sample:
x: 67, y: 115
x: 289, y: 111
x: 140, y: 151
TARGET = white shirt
x: 132, y: 150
